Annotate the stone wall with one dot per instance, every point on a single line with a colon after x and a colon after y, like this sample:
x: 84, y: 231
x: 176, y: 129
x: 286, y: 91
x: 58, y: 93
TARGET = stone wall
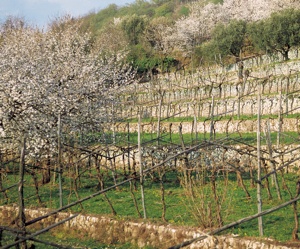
x: 108, y: 230
x: 220, y: 126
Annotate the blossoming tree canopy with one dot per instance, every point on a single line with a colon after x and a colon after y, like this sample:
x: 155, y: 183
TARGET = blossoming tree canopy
x: 58, y: 72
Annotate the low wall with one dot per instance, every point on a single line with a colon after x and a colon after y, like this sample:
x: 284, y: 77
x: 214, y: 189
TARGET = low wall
x: 108, y: 230
x: 220, y: 126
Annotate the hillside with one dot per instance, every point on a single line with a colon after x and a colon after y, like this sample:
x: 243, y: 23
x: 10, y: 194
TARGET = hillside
x: 172, y: 34
x: 179, y: 80
x: 184, y: 95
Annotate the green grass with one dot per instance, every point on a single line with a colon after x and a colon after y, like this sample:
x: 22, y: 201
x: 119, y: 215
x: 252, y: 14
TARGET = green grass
x: 148, y: 139
x: 69, y: 239
x: 203, y: 119
x: 278, y: 225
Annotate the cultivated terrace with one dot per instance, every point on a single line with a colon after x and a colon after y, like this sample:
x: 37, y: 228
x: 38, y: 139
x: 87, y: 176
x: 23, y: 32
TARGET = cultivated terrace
x: 166, y: 112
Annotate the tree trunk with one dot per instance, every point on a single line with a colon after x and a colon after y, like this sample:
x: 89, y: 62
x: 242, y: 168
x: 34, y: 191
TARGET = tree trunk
x: 296, y: 227
x: 162, y: 191
x: 285, y: 54
x: 186, y: 173
x: 212, y: 128
x: 161, y: 95
x: 141, y: 168
x: 273, y: 165
x: 59, y: 157
x: 259, y: 198
x: 46, y: 171
x: 242, y: 184
x: 21, y: 215
x: 134, y: 200
x: 2, y: 170
x: 36, y: 185
x: 267, y: 185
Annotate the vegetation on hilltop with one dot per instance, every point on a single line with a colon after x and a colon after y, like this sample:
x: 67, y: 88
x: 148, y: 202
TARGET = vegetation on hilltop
x: 168, y: 35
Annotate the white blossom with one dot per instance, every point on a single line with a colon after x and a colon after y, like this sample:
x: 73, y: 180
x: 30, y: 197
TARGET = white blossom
x: 195, y: 28
x: 59, y: 72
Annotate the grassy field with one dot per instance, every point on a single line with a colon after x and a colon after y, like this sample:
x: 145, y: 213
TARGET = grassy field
x: 121, y: 139
x: 180, y: 209
x: 202, y: 119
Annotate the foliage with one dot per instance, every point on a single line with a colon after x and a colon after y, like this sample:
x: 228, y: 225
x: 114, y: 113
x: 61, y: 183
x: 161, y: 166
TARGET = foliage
x: 139, y: 7
x: 229, y: 40
x: 217, y: 1
x: 96, y: 21
x: 187, y: 25
x: 278, y: 33
x: 166, y: 9
x: 141, y: 59
x: 112, y: 39
x: 151, y: 52
x: 134, y: 27
x: 183, y: 11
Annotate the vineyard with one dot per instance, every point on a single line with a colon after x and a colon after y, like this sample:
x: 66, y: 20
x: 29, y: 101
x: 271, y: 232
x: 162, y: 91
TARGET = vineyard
x: 202, y: 135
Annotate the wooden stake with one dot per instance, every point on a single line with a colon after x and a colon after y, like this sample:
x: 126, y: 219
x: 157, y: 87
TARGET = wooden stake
x: 22, y: 218
x: 259, y: 199
x: 212, y: 118
x: 141, y: 167
x: 59, y: 161
x: 273, y: 165
x: 279, y: 119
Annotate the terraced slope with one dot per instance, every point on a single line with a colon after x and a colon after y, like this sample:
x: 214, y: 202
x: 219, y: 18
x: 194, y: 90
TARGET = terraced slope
x: 218, y: 92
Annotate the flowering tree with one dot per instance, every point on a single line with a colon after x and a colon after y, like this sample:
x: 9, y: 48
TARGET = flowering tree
x: 195, y: 28
x: 55, y: 82
x: 156, y: 32
x: 250, y: 10
x: 60, y: 72
x: 192, y: 30
x: 52, y: 83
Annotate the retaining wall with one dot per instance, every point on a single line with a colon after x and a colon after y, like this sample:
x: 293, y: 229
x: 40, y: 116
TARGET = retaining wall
x: 108, y: 230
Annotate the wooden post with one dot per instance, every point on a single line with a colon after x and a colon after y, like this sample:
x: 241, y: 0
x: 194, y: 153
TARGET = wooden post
x: 239, y: 105
x: 273, y: 166
x: 158, y: 120
x: 212, y: 118
x: 287, y: 96
x: 128, y: 147
x: 22, y: 218
x: 113, y: 123
x: 259, y: 200
x: 59, y: 160
x: 279, y: 119
x: 161, y: 95
x: 195, y: 127
x: 141, y: 167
